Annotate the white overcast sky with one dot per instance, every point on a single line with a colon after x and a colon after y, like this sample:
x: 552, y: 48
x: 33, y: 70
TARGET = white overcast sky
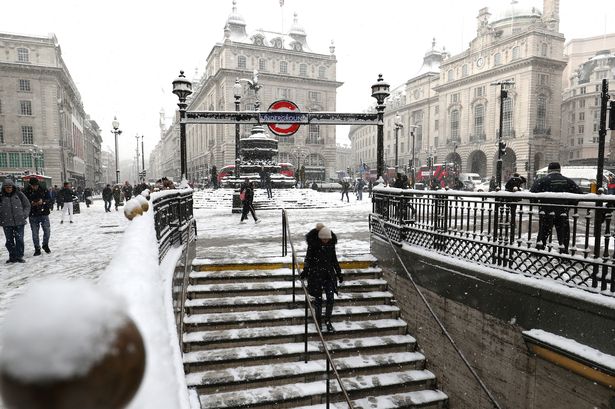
x: 123, y: 55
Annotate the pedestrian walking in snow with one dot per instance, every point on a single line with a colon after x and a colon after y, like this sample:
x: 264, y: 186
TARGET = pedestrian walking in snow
x: 117, y: 196
x: 345, y: 187
x: 246, y: 194
x: 40, y: 204
x: 66, y: 195
x: 53, y: 193
x: 360, y: 185
x: 127, y: 190
x: 267, y: 177
x: 87, y: 195
x: 322, y: 271
x: 14, y: 209
x: 107, y: 195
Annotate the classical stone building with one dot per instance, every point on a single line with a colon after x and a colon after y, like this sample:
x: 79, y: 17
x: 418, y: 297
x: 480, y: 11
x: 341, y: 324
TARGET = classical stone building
x: 93, y: 164
x: 581, y: 99
x: 41, y: 110
x: 288, y: 69
x: 454, y: 109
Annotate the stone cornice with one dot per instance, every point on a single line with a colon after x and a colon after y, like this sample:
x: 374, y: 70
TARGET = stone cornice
x: 502, y: 71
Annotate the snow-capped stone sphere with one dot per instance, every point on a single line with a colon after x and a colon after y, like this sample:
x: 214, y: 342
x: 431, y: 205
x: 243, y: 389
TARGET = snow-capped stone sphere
x: 69, y: 344
x: 132, y: 209
x: 145, y: 193
x: 143, y: 202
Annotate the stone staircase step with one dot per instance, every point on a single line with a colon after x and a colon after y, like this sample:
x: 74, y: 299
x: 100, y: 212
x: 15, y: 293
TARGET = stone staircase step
x: 345, y: 260
x: 247, y: 319
x: 431, y: 398
x: 225, y: 380
x: 267, y: 397
x: 292, y: 352
x: 265, y: 288
x: 250, y: 303
x: 286, y: 274
x: 289, y: 333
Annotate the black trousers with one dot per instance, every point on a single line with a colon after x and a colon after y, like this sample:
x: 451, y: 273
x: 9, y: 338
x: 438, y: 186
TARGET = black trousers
x: 328, y: 306
x: 107, y: 205
x: 247, y: 207
x: 546, y: 220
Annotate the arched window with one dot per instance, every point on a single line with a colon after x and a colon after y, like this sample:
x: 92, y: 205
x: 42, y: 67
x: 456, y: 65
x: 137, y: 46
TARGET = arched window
x: 321, y: 72
x: 497, y: 59
x: 464, y: 70
x: 541, y: 113
x: 450, y: 75
x: 283, y: 67
x: 314, y: 134
x: 242, y: 62
x: 303, y: 70
x: 479, y: 120
x: 262, y: 64
x: 515, y: 53
x: 454, y: 124
x: 507, y: 116
x: 543, y: 49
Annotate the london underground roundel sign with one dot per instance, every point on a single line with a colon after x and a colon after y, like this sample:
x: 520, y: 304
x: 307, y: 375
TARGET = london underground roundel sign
x: 283, y: 129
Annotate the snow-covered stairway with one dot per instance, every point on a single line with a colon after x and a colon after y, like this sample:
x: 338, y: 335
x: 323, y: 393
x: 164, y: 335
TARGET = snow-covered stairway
x: 244, y: 346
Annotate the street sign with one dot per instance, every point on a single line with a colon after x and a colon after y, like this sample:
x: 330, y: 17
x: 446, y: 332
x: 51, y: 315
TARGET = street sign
x: 289, y: 115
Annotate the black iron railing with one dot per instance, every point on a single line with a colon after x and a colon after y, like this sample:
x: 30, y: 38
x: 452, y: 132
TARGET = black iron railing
x: 330, y: 365
x: 175, y: 226
x: 503, y: 230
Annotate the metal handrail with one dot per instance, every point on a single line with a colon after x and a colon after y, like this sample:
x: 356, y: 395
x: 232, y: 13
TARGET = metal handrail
x: 436, y: 318
x: 308, y: 305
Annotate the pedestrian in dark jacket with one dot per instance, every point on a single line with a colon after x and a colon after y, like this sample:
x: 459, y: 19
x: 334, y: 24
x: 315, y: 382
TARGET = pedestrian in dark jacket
x: 40, y: 203
x: 14, y: 210
x: 117, y: 196
x: 66, y: 195
x: 247, y: 192
x: 558, y: 213
x: 87, y: 195
x: 515, y: 183
x: 127, y: 190
x: 322, y: 271
x: 107, y: 195
x: 345, y: 187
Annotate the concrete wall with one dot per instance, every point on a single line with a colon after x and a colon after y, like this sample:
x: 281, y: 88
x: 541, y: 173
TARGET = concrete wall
x: 486, y: 316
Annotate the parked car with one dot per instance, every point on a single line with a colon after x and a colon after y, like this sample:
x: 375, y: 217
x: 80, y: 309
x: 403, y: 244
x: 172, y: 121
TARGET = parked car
x: 482, y: 187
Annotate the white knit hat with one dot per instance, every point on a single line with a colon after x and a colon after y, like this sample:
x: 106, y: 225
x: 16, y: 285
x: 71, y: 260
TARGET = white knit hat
x: 324, y: 233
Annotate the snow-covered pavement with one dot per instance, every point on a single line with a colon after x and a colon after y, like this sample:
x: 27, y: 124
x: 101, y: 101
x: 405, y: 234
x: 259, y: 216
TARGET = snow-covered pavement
x: 82, y: 249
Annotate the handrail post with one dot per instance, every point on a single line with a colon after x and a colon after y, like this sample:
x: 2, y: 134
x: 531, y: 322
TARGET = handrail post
x: 328, y: 376
x: 294, y: 260
x: 305, y: 334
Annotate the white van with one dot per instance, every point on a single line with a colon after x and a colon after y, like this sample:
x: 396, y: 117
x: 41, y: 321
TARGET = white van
x: 582, y: 175
x: 470, y: 177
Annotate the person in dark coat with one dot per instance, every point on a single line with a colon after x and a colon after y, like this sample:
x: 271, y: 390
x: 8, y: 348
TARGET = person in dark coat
x: 40, y: 203
x: 67, y: 195
x: 117, y: 196
x: 558, y: 215
x: 345, y: 187
x: 493, y: 186
x: 14, y: 210
x: 127, y: 190
x: 515, y: 183
x: 107, y: 195
x: 87, y: 196
x: 322, y: 271
x: 247, y: 191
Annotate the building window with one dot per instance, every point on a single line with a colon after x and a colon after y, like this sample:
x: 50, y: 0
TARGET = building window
x: 27, y: 135
x: 450, y: 75
x: 543, y: 79
x: 595, y: 127
x: 515, y: 53
x: 582, y: 103
x: 455, y: 98
x: 262, y: 64
x: 581, y: 129
x: 303, y: 70
x: 582, y: 91
x: 581, y: 116
x: 454, y: 124
x: 543, y: 49
x: 314, y: 96
x: 321, y: 72
x: 479, y: 119
x: 284, y: 93
x: 464, y: 70
x: 283, y: 67
x: 24, y: 86
x: 507, y: 117
x: 1, y: 134
x: 436, y: 110
x: 497, y: 59
x: 541, y: 113
x: 479, y: 92
x: 436, y: 124
x: 314, y: 134
x: 242, y: 62
x: 3, y: 160
x: 0, y: 106
x: 23, y: 55
x: 13, y: 159
x: 25, y: 108
x: 26, y: 160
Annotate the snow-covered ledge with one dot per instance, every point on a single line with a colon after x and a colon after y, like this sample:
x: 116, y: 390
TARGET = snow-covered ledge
x: 572, y: 355
x: 135, y: 274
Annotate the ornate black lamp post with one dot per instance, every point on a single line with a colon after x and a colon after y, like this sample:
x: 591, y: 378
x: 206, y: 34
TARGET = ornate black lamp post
x: 143, y: 157
x: 398, y: 126
x: 182, y: 88
x: 380, y: 91
x: 237, y: 88
x: 501, y: 144
x: 138, y: 171
x: 116, y: 131
x: 413, y: 167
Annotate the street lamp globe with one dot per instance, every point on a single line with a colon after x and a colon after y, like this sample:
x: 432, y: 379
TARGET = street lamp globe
x: 398, y: 121
x: 237, y: 89
x: 115, y: 124
x: 380, y: 90
x: 182, y: 87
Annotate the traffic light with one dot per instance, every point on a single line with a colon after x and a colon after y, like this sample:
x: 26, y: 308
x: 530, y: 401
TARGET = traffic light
x: 502, y: 148
x: 527, y: 166
x: 612, y: 116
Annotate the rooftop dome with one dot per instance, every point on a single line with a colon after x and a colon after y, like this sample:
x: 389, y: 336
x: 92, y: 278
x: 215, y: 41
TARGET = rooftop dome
x: 517, y: 9
x: 296, y: 29
x: 235, y: 17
